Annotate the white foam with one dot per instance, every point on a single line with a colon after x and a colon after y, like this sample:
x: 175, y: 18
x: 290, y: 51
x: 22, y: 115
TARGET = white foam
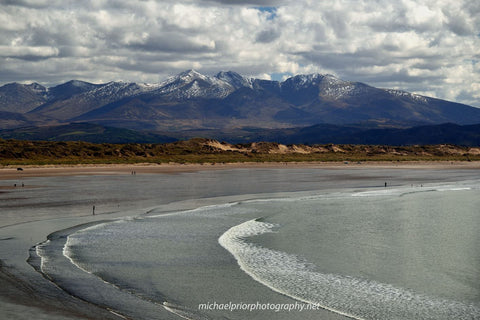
x: 451, y: 188
x: 39, y: 249
x: 182, y: 312
x: 353, y: 297
x: 204, y: 209
x: 67, y: 253
x: 383, y: 192
x: 409, y: 190
x: 74, y: 240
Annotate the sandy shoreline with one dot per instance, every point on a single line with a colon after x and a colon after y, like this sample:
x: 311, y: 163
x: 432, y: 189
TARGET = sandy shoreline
x: 21, y: 292
x: 12, y: 173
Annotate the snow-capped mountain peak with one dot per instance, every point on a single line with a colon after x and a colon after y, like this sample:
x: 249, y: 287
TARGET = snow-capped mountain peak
x: 192, y: 84
x: 79, y: 83
x: 314, y: 79
x: 191, y: 75
x: 35, y: 87
x: 303, y: 80
x: 234, y: 79
x: 334, y: 88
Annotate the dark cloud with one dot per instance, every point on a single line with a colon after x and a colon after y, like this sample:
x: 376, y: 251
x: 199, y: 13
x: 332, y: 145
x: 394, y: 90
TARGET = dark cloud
x: 268, y: 35
x: 171, y: 42
x: 36, y: 4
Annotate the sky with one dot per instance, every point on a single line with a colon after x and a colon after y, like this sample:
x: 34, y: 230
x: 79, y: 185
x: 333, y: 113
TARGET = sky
x: 429, y: 47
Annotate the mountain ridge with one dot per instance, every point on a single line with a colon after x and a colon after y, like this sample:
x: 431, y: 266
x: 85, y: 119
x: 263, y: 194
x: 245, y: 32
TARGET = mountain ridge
x: 227, y: 100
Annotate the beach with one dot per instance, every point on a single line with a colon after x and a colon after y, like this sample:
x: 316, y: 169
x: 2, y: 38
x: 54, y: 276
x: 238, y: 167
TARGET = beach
x: 13, y: 172
x: 38, y: 201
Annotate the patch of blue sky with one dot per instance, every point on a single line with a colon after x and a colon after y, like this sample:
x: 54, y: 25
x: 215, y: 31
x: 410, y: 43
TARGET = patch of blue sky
x: 280, y: 76
x: 271, y: 10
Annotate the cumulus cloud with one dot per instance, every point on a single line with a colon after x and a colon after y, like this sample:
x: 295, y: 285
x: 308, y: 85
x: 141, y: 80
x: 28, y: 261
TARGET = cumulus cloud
x: 423, y: 46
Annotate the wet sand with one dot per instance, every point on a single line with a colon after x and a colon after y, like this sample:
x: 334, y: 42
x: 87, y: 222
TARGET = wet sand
x: 11, y: 172
x: 24, y: 292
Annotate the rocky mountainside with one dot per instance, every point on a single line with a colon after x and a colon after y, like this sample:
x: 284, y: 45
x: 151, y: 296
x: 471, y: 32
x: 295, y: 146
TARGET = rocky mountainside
x: 21, y: 98
x: 191, y: 100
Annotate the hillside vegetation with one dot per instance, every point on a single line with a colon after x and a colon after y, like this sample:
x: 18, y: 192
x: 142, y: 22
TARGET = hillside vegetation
x: 16, y: 152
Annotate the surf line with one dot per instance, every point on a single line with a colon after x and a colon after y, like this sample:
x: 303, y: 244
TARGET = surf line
x: 66, y: 252
x: 38, y: 259
x: 234, y: 236
x: 290, y: 275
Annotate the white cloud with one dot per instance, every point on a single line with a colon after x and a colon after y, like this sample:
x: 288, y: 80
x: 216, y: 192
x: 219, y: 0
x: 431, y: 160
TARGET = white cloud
x: 28, y: 53
x: 423, y: 46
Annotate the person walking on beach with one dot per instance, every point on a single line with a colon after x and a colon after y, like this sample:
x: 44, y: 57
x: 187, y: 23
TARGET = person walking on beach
x: 93, y: 211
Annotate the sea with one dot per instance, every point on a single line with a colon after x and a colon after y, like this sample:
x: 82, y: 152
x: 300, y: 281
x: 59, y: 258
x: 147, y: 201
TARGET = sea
x: 277, y: 243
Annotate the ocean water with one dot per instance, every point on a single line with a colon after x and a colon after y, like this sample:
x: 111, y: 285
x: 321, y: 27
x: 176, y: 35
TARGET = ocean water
x: 358, y: 250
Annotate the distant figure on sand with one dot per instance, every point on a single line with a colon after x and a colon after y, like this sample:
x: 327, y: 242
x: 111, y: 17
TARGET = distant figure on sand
x: 93, y: 212
x: 385, y: 184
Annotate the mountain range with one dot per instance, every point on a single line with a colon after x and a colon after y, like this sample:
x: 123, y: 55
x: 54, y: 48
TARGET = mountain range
x: 227, y: 102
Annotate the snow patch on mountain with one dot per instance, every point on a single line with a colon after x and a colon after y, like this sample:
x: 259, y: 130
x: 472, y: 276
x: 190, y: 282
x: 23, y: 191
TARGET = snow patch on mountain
x: 192, y: 84
x: 329, y: 86
x: 234, y: 79
x: 147, y: 87
x: 303, y: 81
x: 116, y: 90
x: 37, y: 88
x: 80, y: 84
x: 413, y: 96
x: 336, y: 89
